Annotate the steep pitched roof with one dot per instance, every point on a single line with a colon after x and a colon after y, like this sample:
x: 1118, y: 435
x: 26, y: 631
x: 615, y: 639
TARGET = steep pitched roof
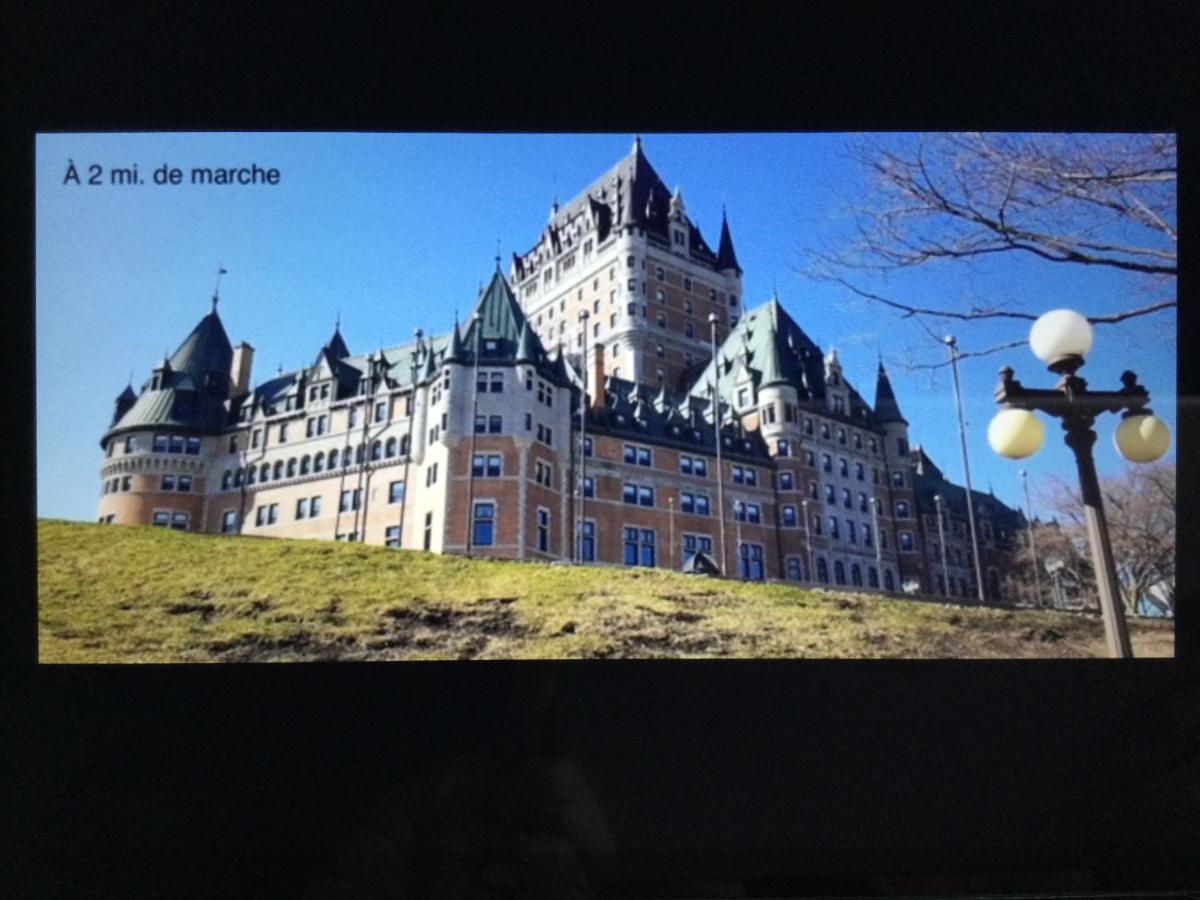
x: 206, y: 349
x: 726, y: 257
x: 337, y: 345
x: 500, y: 320
x: 886, y: 407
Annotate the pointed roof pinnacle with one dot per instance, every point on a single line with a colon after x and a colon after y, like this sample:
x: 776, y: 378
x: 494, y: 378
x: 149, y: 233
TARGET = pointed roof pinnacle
x: 886, y: 407
x: 726, y: 256
x: 637, y: 145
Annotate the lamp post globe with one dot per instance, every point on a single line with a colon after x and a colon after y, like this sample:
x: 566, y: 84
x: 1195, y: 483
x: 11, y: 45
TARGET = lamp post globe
x: 1016, y: 433
x: 1142, y: 438
x: 1059, y: 334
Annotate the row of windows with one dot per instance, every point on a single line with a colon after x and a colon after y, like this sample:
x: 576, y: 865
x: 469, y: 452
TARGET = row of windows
x: 165, y: 518
x: 164, y: 443
x: 319, y: 462
x: 489, y: 424
x: 121, y: 483
x: 795, y: 572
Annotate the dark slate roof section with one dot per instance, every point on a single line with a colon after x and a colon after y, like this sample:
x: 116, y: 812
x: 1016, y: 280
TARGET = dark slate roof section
x: 954, y: 497
x: 337, y: 345
x: 726, y: 257
x: 642, y: 413
x: 629, y: 193
x: 206, y: 350
x: 886, y: 408
x: 193, y: 387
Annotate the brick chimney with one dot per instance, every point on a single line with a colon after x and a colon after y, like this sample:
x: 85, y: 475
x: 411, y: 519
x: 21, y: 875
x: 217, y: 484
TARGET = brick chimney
x: 243, y: 357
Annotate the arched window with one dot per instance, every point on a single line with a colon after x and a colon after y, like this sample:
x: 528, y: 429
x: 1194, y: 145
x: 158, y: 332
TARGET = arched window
x: 264, y: 474
x: 872, y: 577
x: 346, y: 457
x: 278, y: 473
x: 319, y: 462
x: 389, y: 449
x: 333, y: 459
x: 291, y: 469
x: 304, y: 463
x: 226, y: 479
x: 822, y: 570
x: 237, y: 478
x: 855, y: 574
x: 404, y: 445
x: 839, y: 572
x: 377, y: 450
x: 361, y: 453
x: 889, y: 583
x: 251, y: 475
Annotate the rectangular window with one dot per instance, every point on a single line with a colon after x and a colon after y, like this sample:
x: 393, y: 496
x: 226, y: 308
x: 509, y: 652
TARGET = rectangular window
x: 497, y: 382
x: 687, y: 503
x: 495, y: 424
x: 427, y: 541
x: 645, y: 496
x: 639, y: 547
x: 168, y: 482
x: 589, y: 487
x: 637, y: 455
x: 789, y: 517
x: 162, y: 518
x: 543, y: 530
x: 126, y: 482
x: 587, y: 542
x: 352, y: 418
x: 484, y: 531
x: 685, y: 465
x: 391, y: 536
x: 629, y: 493
x: 314, y: 507
x: 302, y: 508
x: 272, y: 513
x: 587, y: 446
x: 229, y: 521
x: 160, y: 444
x: 786, y: 482
x: 702, y: 507
x: 131, y: 444
x: 260, y: 516
x: 184, y: 483
x: 255, y: 438
x: 396, y: 492
x: 381, y: 411
x: 481, y: 424
x: 175, y: 444
x: 350, y: 500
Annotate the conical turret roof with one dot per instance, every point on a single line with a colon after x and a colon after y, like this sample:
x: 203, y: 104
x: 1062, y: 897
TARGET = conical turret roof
x: 726, y: 257
x: 206, y: 349
x: 886, y: 407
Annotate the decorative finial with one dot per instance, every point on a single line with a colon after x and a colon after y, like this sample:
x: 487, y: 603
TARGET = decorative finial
x: 497, y: 254
x: 217, y: 289
x: 337, y: 322
x: 637, y: 143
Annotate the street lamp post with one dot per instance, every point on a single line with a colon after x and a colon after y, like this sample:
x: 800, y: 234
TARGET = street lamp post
x: 1061, y: 338
x: 712, y: 322
x: 671, y: 516
x: 583, y: 402
x: 738, y: 512
x: 937, y: 500
x: 878, y: 543
x: 812, y: 574
x: 952, y: 345
x: 1037, y: 576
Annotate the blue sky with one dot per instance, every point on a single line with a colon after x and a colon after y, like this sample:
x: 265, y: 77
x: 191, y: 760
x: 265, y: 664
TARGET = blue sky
x: 395, y: 232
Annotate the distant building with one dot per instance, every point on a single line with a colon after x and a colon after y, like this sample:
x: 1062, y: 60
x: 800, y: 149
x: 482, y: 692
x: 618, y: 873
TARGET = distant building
x: 472, y: 441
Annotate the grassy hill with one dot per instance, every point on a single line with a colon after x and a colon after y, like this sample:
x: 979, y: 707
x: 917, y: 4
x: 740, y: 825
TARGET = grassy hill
x: 112, y: 594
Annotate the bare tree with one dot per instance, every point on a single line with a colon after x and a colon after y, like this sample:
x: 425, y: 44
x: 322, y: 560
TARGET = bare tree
x: 1140, y: 508
x: 1102, y: 201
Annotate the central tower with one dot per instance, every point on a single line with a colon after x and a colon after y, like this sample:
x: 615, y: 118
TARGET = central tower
x: 626, y: 252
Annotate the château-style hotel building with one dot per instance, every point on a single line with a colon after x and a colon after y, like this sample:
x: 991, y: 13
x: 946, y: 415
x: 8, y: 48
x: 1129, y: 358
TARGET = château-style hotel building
x: 473, y: 441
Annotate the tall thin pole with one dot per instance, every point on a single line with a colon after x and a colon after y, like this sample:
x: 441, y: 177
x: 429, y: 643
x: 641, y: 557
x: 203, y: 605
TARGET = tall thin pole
x: 583, y: 403
x: 477, y: 321
x: 739, y: 509
x: 712, y: 321
x: 1037, y: 576
x: 952, y: 344
x: 412, y: 415
x: 812, y: 569
x: 937, y: 499
x: 878, y: 542
x: 671, y: 514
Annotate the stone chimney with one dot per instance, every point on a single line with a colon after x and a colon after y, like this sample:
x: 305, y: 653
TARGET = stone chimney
x: 243, y: 357
x: 596, y: 377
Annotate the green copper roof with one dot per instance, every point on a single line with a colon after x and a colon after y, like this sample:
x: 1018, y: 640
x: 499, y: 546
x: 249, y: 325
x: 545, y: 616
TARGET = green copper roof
x: 206, y: 349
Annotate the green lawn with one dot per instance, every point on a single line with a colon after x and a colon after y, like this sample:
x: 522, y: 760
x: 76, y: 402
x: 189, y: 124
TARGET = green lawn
x: 113, y: 594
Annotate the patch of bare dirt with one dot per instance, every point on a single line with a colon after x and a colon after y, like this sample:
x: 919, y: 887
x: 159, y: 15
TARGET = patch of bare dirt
x: 259, y: 648
x: 458, y: 632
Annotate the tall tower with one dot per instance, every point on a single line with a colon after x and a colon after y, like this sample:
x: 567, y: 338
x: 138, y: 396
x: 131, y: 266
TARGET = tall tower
x: 626, y: 251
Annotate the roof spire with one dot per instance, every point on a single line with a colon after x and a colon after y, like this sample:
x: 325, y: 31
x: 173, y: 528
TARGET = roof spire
x: 337, y: 322
x: 637, y: 144
x: 217, y: 289
x: 498, y: 252
x: 726, y: 257
x: 886, y: 407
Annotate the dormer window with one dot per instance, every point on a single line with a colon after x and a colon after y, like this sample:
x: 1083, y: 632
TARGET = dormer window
x: 677, y: 237
x: 489, y: 346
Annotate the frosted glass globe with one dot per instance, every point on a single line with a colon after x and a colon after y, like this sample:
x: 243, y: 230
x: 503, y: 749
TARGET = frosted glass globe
x: 1016, y: 433
x: 1142, y: 439
x: 1059, y: 333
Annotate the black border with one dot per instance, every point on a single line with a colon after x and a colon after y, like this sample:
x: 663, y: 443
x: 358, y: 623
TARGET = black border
x: 805, y: 777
